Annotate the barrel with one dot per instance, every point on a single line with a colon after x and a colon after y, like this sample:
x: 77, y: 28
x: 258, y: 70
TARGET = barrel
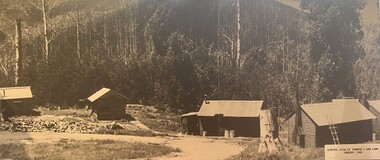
x: 374, y: 136
x: 232, y: 133
x: 226, y: 133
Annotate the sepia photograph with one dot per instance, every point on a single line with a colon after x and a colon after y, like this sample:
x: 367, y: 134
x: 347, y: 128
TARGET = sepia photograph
x: 189, y: 79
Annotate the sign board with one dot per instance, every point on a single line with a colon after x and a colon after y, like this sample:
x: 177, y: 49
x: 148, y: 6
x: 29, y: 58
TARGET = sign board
x: 352, y: 151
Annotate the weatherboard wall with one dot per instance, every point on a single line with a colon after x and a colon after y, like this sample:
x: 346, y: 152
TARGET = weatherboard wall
x: 243, y: 126
x: 309, y: 128
x: 110, y: 108
x: 375, y: 123
x: 348, y: 133
x: 291, y: 131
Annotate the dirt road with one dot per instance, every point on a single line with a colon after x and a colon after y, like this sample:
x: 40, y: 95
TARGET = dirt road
x: 203, y: 148
x: 192, y: 147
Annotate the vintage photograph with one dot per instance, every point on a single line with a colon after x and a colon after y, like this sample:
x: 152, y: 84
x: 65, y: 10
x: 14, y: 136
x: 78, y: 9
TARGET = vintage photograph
x: 189, y: 79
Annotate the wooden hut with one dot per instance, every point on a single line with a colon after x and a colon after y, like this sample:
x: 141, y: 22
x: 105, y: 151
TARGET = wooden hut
x: 241, y: 118
x: 107, y: 104
x: 374, y: 108
x: 190, y: 123
x: 13, y: 101
x: 352, y: 120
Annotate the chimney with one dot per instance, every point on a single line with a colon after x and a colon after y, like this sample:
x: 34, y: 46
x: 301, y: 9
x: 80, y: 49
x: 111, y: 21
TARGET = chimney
x: 205, y: 99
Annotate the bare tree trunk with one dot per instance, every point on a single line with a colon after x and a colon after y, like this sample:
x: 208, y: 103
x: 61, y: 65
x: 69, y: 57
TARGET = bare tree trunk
x: 45, y: 30
x: 18, y: 44
x: 78, y: 33
x: 238, y: 34
x: 105, y: 42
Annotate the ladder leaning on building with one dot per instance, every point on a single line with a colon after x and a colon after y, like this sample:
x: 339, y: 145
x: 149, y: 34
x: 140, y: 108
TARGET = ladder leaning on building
x: 334, y: 133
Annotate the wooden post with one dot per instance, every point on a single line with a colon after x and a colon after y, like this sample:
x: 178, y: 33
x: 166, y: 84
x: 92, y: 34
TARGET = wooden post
x: 19, y: 56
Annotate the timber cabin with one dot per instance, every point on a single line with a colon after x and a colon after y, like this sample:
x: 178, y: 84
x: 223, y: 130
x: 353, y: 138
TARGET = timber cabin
x: 352, y: 120
x: 107, y: 104
x: 374, y: 108
x: 13, y: 101
x: 241, y: 117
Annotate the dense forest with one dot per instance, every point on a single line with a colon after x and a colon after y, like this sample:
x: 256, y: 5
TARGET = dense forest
x: 170, y: 53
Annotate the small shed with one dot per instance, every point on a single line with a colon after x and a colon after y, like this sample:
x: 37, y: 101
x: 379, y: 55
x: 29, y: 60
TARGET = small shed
x: 352, y: 119
x: 190, y: 123
x: 242, y: 117
x: 107, y: 104
x: 13, y: 101
x: 374, y: 108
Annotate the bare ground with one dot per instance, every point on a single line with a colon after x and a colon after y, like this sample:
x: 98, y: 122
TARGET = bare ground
x: 191, y: 147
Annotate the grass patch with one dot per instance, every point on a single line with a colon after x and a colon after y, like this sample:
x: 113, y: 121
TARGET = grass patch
x: 142, y: 133
x: 86, y: 150
x: 162, y: 122
x: 65, y: 112
x: 290, y: 153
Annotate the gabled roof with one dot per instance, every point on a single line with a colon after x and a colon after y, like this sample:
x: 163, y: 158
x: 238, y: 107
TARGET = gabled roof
x: 231, y: 108
x: 375, y: 104
x: 10, y: 93
x: 342, y: 111
x: 103, y: 93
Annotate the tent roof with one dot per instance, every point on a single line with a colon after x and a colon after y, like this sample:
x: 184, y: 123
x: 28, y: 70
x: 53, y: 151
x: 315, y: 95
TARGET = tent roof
x: 342, y: 111
x: 10, y: 93
x: 102, y: 93
x: 231, y: 108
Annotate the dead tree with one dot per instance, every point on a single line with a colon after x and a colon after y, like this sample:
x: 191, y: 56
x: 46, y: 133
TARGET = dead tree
x: 238, y: 33
x: 19, y: 56
x: 78, y: 32
x: 43, y: 3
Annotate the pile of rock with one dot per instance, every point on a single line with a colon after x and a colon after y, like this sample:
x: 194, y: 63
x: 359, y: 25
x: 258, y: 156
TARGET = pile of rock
x: 30, y: 125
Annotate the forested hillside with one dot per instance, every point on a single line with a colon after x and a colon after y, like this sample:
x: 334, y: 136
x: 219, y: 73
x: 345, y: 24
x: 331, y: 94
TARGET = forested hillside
x: 170, y: 53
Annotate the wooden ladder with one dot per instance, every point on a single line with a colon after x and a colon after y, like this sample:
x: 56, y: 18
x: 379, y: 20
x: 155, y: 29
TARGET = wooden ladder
x: 333, y: 131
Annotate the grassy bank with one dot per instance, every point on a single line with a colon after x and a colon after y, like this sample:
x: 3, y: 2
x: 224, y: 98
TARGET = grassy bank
x: 289, y: 152
x: 154, y: 119
x: 86, y: 150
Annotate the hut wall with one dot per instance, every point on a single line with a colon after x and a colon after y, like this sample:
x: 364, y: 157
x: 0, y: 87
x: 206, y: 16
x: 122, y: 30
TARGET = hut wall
x: 190, y: 125
x: 309, y: 128
x: 291, y: 124
x: 210, y: 125
x: 375, y: 123
x: 348, y: 133
x: 111, y: 108
x: 19, y: 107
x: 243, y: 126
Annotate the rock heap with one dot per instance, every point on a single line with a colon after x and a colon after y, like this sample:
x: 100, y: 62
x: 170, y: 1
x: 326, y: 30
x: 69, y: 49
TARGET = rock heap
x: 61, y: 125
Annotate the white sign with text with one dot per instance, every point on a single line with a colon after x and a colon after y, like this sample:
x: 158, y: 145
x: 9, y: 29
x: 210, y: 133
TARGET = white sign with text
x: 352, y: 151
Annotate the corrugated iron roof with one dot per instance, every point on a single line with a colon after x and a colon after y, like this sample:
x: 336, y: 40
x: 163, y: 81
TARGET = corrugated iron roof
x: 10, y: 93
x: 375, y: 104
x: 337, y: 111
x: 230, y: 108
x: 102, y: 92
x: 190, y: 114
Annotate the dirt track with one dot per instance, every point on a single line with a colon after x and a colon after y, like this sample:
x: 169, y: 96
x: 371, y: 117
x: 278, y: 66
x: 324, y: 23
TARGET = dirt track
x: 203, y: 148
x: 191, y: 147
